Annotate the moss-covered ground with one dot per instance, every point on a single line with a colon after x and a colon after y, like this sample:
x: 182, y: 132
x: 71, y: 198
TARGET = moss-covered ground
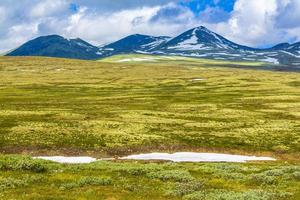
x: 108, y: 108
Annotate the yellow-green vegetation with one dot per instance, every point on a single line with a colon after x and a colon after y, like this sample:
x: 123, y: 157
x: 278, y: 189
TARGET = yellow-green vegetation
x: 26, y: 178
x: 107, y: 108
x: 134, y: 58
x: 72, y: 106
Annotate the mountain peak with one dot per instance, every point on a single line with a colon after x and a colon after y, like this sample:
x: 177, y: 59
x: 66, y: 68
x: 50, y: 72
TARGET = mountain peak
x: 202, y: 28
x: 200, y: 38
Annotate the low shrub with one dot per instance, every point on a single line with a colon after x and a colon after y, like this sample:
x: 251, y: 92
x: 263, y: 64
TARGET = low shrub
x: 181, y: 189
x: 86, y: 181
x: 22, y: 163
x: 296, y: 175
x: 174, y: 175
x: 275, y: 172
x: 230, y: 195
x: 264, y: 179
x: 11, y: 183
x: 95, y: 181
x: 8, y: 183
x: 138, y: 170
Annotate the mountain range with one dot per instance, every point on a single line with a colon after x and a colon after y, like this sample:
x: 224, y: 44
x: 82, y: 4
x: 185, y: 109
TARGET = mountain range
x: 197, y: 42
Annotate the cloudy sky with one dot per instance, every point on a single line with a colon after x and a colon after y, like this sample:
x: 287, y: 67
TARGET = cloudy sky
x: 257, y: 23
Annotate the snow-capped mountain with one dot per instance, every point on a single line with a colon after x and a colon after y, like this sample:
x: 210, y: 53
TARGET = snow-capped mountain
x: 57, y: 46
x: 203, y: 43
x: 201, y: 38
x: 197, y: 42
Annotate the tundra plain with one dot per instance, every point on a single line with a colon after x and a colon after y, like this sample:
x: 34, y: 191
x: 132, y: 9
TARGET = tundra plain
x: 112, y: 108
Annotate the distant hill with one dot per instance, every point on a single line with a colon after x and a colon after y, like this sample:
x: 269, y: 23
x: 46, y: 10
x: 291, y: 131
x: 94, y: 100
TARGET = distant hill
x: 57, y: 46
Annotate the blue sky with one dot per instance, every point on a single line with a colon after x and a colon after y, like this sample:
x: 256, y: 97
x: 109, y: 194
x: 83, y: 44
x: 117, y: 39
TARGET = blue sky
x: 199, y: 5
x: 257, y: 23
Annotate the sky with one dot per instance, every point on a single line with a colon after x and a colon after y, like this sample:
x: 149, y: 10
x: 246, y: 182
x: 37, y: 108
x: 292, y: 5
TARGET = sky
x: 256, y: 23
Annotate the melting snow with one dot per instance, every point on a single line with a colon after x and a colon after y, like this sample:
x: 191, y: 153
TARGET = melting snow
x: 137, y: 59
x: 196, y: 157
x: 197, y: 79
x: 291, y: 54
x: 271, y: 60
x: 81, y: 44
x: 189, y: 44
x: 176, y: 157
x: 68, y: 160
x: 153, y: 44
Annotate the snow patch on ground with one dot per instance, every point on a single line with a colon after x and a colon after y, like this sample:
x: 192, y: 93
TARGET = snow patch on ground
x: 271, y: 60
x: 197, y: 79
x: 291, y: 54
x: 68, y: 160
x: 137, y: 59
x: 175, y: 157
x: 197, y: 157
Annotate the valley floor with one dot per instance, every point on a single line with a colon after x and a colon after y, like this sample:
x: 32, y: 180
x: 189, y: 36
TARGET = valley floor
x: 54, y: 106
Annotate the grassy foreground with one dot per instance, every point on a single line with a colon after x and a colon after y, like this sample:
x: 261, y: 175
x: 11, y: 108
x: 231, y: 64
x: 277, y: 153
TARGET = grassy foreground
x: 25, y: 178
x: 54, y: 106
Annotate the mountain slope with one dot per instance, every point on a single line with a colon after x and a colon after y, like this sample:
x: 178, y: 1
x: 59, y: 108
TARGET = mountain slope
x: 133, y: 43
x: 203, y: 43
x: 57, y: 46
x: 201, y: 38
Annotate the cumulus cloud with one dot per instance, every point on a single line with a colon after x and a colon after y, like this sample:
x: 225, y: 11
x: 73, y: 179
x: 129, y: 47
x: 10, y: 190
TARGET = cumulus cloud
x: 106, y: 27
x: 254, y: 23
x: 92, y: 26
x: 289, y: 15
x: 2, y: 14
x: 173, y: 13
x: 49, y: 8
x: 263, y: 22
x: 59, y: 17
x: 214, y: 15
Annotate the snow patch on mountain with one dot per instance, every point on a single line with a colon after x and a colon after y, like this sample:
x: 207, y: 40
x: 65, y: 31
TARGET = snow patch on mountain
x: 189, y: 44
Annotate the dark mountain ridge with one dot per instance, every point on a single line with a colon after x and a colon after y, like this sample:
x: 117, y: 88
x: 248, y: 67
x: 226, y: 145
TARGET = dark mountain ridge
x: 197, y: 42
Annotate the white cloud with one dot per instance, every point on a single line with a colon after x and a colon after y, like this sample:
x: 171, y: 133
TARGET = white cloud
x: 49, y: 8
x: 289, y: 16
x: 2, y: 15
x: 106, y: 27
x: 252, y: 22
x: 261, y: 23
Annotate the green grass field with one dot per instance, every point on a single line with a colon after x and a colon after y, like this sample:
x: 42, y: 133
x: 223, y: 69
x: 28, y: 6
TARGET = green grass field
x: 25, y: 178
x: 114, y: 107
